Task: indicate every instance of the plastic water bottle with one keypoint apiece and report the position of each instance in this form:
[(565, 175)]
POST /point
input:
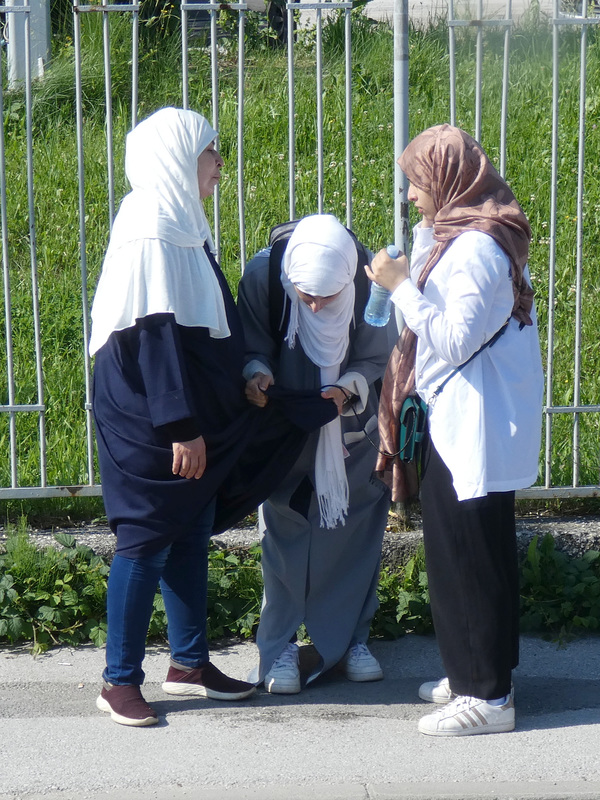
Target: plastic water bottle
[(379, 307)]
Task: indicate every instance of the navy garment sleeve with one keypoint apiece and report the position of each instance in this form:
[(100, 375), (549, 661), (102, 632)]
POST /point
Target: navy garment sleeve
[(164, 374)]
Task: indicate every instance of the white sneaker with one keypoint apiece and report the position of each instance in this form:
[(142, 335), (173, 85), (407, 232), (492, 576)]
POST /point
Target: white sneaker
[(284, 675), (360, 665), (466, 716), (436, 691)]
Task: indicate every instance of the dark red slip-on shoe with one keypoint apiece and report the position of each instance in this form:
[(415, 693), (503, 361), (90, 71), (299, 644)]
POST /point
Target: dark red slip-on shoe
[(206, 681), (126, 705)]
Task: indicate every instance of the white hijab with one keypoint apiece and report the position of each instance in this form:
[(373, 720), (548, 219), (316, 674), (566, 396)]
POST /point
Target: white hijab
[(321, 260), (155, 262)]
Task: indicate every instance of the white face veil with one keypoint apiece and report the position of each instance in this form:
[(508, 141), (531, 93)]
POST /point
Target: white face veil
[(320, 259), (156, 262)]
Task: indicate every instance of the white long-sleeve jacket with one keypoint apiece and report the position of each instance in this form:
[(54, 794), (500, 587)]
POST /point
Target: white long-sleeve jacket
[(486, 422)]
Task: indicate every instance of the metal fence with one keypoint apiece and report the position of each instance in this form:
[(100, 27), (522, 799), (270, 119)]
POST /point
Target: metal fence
[(31, 405)]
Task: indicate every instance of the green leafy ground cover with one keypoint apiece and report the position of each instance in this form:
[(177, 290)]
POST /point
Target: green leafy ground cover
[(57, 596)]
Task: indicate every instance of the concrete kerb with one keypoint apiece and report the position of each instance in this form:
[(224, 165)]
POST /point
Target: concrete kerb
[(547, 790), (423, 13)]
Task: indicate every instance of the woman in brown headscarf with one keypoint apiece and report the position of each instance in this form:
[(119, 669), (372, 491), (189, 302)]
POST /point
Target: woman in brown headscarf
[(467, 277)]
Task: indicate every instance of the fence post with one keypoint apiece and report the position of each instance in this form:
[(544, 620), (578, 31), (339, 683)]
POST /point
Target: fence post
[(32, 22), (400, 121)]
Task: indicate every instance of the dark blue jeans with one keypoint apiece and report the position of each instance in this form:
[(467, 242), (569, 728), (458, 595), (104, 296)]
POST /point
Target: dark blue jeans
[(182, 572)]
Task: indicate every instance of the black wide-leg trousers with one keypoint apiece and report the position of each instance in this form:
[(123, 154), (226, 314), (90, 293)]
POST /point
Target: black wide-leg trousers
[(472, 569)]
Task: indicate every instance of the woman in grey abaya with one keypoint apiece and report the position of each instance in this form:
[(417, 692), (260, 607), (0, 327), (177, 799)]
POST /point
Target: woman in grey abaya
[(323, 526)]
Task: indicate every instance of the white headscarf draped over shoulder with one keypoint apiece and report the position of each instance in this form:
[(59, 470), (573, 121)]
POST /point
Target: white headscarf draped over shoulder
[(320, 259), (155, 262)]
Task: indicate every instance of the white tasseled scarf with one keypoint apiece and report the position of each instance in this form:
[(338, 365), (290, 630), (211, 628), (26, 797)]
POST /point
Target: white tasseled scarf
[(321, 260)]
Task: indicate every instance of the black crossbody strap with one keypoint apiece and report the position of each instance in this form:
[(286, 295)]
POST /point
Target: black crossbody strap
[(489, 343)]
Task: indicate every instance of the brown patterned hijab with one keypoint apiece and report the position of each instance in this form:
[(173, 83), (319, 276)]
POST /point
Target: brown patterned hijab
[(468, 194)]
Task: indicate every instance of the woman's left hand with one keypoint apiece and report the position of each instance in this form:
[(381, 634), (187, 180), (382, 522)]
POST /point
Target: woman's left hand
[(189, 458), (335, 394), (387, 271)]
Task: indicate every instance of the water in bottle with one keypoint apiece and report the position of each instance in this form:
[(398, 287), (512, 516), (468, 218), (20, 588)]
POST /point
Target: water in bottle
[(379, 307)]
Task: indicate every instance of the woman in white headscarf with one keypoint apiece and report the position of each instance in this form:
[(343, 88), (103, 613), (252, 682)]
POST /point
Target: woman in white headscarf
[(323, 526), (168, 390)]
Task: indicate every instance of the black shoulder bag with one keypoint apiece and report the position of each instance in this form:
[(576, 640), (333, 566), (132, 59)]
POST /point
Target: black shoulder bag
[(414, 411)]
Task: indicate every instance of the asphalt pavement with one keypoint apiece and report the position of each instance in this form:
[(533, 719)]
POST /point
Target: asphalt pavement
[(336, 740)]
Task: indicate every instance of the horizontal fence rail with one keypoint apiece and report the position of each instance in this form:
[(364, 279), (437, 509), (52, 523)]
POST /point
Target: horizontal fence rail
[(43, 460)]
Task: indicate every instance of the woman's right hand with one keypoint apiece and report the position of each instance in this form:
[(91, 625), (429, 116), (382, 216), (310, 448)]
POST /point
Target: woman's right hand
[(256, 388), (189, 458), (387, 271)]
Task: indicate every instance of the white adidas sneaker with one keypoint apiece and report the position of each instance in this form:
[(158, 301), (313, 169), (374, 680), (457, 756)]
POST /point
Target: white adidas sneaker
[(467, 716)]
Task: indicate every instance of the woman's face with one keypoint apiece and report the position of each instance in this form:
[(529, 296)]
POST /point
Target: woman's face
[(209, 170), (424, 203), (314, 301)]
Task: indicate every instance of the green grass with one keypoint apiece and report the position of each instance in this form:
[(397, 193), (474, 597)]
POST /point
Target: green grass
[(266, 191)]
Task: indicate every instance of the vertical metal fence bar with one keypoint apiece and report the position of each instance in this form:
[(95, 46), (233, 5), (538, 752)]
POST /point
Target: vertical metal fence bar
[(552, 259), (291, 114), (185, 79), (478, 70), (240, 136), (348, 95), (319, 83), (87, 373), (505, 80), (109, 119), (10, 366), (135, 58), (214, 70), (452, 59), (579, 250), (87, 368), (33, 249), (82, 231), (401, 132)]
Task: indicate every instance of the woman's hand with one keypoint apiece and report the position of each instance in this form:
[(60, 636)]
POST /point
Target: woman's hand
[(337, 395), (189, 458), (256, 388), (387, 271)]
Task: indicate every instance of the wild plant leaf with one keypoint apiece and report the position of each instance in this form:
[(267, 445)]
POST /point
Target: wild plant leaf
[(65, 539)]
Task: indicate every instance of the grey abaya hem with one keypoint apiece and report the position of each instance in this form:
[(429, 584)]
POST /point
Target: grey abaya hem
[(324, 578)]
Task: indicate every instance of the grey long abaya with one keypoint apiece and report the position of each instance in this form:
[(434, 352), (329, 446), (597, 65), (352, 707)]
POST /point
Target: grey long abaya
[(324, 578)]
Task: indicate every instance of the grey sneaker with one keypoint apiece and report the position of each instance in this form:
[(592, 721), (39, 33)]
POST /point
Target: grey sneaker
[(284, 675), (360, 665), (467, 716), (436, 691)]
